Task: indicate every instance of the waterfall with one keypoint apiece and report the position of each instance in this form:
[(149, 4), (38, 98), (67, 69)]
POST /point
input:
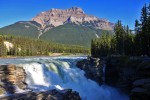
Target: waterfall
[(61, 73)]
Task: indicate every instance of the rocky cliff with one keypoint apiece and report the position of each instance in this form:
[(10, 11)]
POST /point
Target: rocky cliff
[(93, 68), (56, 17)]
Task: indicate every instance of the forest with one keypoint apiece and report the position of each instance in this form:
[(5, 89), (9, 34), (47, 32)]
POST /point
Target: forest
[(125, 41), (21, 46)]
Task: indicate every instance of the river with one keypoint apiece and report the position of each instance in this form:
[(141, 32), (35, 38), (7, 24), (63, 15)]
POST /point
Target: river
[(45, 73)]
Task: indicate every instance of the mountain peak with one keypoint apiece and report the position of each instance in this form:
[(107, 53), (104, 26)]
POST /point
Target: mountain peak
[(57, 17), (76, 9)]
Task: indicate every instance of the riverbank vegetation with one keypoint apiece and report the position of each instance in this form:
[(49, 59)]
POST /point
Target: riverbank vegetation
[(20, 46), (125, 41)]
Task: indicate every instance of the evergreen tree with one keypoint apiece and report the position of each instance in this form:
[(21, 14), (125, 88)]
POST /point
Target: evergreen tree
[(120, 37), (144, 15)]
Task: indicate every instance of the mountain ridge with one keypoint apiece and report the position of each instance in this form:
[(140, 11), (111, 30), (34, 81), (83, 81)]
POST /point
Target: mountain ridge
[(56, 17)]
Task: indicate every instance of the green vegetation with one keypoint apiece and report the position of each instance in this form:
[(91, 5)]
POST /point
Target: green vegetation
[(31, 47), (23, 28), (72, 34), (69, 34), (125, 42), (142, 29)]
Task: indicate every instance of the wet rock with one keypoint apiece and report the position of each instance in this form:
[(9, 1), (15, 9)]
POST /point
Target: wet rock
[(141, 82), (45, 95), (2, 90), (93, 68), (11, 76), (20, 73), (138, 90), (141, 88)]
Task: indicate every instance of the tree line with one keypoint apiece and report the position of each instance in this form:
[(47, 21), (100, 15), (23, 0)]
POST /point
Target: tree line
[(31, 47), (125, 41)]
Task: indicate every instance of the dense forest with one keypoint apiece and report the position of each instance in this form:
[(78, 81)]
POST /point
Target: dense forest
[(125, 41), (20, 46), (69, 33)]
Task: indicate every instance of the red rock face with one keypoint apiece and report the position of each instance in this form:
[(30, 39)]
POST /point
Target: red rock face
[(57, 17)]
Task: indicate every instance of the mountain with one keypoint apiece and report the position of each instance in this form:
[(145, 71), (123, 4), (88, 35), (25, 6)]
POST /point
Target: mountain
[(70, 26), (57, 17), (22, 28), (73, 34)]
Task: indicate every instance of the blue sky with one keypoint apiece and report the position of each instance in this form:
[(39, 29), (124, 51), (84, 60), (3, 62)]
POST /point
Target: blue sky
[(12, 11)]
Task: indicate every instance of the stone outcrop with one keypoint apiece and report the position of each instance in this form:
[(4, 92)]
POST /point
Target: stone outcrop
[(131, 75), (118, 75), (67, 94), (57, 17), (141, 89), (93, 68), (12, 77), (141, 86), (127, 74)]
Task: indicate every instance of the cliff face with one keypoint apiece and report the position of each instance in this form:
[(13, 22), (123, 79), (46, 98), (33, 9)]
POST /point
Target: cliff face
[(57, 17), (93, 68)]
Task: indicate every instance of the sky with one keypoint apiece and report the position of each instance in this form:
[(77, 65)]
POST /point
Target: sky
[(127, 11)]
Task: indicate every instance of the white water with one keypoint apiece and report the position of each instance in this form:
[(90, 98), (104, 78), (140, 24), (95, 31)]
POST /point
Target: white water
[(61, 73)]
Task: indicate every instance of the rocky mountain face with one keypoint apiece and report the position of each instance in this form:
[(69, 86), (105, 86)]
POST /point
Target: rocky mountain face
[(56, 17), (71, 26)]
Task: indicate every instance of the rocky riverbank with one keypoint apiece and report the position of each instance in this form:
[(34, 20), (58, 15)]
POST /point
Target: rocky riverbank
[(13, 86), (67, 94), (93, 68), (131, 75)]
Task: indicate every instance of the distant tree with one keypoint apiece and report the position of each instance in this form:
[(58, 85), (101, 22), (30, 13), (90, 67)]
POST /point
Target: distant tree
[(3, 51)]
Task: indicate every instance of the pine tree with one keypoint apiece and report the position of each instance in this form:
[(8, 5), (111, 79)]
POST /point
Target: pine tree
[(144, 33), (120, 37), (2, 47), (144, 15)]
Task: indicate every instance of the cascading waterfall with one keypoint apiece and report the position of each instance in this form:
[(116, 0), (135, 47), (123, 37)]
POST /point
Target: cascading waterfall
[(61, 73)]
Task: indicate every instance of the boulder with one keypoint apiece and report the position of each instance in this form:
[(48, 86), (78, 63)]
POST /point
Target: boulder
[(138, 90), (67, 94), (141, 82), (141, 89), (2, 90)]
